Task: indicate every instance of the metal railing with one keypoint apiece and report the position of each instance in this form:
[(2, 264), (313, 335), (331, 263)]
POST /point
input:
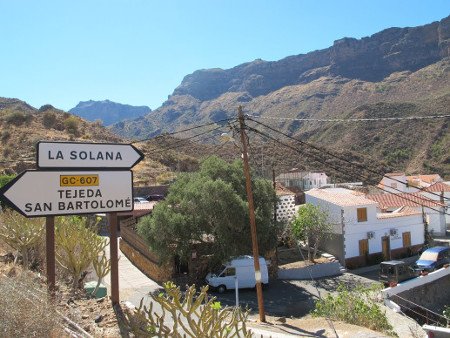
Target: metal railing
[(427, 315)]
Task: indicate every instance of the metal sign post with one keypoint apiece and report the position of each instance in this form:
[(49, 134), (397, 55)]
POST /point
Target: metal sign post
[(113, 251), (50, 253), (80, 178)]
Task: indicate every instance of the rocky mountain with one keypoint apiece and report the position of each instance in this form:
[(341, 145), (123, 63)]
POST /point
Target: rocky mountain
[(108, 112), (399, 72)]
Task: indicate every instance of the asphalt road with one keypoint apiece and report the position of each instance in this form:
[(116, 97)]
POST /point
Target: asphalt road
[(294, 298)]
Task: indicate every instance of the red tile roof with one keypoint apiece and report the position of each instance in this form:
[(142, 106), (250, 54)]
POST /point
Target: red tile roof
[(438, 187), (416, 199), (426, 178), (281, 190)]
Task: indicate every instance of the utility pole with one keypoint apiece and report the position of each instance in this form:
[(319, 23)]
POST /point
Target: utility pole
[(251, 207)]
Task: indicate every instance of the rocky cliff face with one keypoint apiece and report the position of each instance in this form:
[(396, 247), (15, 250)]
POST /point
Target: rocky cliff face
[(398, 72), (108, 112), (369, 59)]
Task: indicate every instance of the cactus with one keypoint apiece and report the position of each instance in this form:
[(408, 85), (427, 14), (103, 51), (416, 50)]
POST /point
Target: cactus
[(193, 315), (78, 246), (21, 233), (102, 266)]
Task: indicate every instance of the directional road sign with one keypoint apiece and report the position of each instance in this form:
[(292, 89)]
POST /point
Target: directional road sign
[(79, 156), (50, 193)]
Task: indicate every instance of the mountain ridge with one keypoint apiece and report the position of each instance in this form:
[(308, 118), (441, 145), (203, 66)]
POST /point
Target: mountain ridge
[(107, 111), (396, 72)]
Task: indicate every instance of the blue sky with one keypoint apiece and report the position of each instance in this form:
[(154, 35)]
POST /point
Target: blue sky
[(138, 51)]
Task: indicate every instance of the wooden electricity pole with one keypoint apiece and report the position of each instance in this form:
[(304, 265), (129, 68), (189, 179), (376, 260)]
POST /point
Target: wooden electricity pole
[(251, 207)]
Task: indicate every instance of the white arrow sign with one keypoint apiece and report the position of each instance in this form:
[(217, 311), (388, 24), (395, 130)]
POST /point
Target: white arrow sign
[(51, 193), (87, 155)]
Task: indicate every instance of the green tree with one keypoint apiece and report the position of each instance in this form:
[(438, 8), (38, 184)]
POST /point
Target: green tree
[(311, 224), (211, 206), (4, 179)]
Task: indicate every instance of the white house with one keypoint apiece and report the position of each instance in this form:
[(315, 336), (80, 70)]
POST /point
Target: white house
[(400, 183), (362, 235), (433, 211), (286, 203), (440, 191), (303, 179)]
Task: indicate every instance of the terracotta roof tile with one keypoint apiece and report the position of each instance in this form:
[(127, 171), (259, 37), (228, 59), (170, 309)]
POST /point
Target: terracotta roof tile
[(399, 200), (281, 190), (438, 187), (426, 178)]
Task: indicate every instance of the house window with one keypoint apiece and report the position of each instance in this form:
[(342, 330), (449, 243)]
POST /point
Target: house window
[(362, 214)]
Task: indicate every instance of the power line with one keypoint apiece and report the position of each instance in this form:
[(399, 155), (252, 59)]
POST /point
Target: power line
[(180, 141), (352, 119), (183, 131), (345, 173), (341, 158)]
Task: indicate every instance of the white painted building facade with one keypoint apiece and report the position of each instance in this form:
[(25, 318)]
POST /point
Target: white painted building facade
[(303, 179), (360, 231), (400, 183)]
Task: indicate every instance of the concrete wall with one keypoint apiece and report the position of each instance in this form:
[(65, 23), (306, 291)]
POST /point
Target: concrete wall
[(431, 291), (334, 244), (316, 271)]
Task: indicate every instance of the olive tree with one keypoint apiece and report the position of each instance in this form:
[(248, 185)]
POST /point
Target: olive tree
[(210, 206), (311, 224)]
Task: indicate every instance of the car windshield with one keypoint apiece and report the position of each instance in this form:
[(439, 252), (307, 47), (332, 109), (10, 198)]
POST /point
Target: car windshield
[(429, 256), (387, 269), (219, 271)]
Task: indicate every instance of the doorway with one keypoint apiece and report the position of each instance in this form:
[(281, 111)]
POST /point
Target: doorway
[(386, 247)]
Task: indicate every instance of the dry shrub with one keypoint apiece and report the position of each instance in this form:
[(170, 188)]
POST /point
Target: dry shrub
[(25, 310)]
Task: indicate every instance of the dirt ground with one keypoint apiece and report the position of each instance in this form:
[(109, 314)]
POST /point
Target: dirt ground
[(98, 318), (315, 327)]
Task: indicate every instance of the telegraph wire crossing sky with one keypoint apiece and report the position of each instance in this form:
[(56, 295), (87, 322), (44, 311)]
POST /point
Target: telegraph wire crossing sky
[(138, 51)]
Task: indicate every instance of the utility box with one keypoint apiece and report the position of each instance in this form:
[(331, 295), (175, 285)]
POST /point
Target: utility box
[(89, 287)]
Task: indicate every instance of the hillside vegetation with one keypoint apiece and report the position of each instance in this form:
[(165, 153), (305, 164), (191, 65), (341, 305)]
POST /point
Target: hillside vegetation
[(399, 72)]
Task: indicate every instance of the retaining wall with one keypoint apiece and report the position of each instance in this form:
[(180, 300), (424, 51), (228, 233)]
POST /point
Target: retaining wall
[(316, 271)]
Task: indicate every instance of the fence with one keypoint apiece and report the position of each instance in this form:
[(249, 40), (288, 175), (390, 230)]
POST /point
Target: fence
[(129, 235)]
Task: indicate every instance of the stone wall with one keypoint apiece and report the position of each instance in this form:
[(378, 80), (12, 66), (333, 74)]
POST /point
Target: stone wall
[(154, 270), (433, 296)]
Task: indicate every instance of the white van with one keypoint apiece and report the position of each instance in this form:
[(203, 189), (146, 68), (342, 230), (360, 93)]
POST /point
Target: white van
[(241, 268)]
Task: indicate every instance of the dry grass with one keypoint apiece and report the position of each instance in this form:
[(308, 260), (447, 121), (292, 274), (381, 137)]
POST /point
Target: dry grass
[(24, 308)]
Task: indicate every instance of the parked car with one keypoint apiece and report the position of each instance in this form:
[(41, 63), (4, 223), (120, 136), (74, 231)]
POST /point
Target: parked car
[(154, 197), (395, 272), (433, 258), (242, 269), (139, 200)]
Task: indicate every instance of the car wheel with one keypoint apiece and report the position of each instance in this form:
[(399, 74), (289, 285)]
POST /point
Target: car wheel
[(221, 288)]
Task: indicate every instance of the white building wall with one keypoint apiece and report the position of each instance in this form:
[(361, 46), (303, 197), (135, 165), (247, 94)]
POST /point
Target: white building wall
[(381, 227), (334, 212), (392, 185), (435, 196)]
